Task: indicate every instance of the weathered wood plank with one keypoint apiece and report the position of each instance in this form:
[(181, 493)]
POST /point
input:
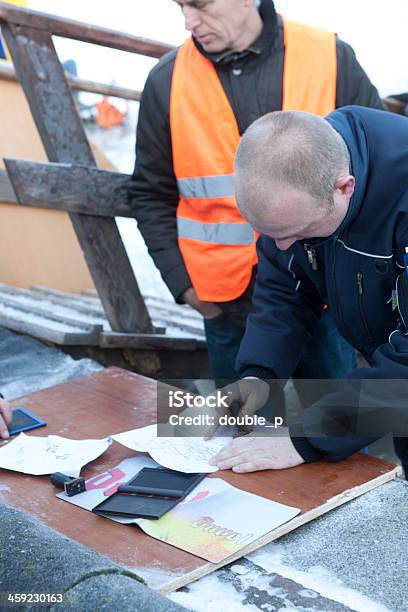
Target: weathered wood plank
[(8, 73), (7, 194), (104, 89), (162, 313), (176, 322), (43, 331), (149, 342), (69, 187), (70, 313), (58, 293), (43, 311), (92, 309), (77, 30), (89, 309), (64, 140)]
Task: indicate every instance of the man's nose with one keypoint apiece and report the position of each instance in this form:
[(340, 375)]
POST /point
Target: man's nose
[(191, 18), (283, 245)]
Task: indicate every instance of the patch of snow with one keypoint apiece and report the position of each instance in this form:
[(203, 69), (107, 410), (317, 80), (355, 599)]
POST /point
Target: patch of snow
[(27, 365), (318, 578), (239, 569), (43, 321), (209, 594), (308, 593)]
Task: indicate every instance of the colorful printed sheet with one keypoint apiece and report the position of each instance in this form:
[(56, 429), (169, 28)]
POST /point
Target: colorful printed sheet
[(215, 521)]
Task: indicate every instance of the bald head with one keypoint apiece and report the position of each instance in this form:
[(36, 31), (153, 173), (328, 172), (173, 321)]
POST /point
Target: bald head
[(291, 149), (292, 177)]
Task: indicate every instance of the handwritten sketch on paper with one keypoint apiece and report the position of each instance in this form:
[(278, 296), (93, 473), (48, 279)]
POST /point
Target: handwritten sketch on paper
[(215, 520), (45, 455), (189, 455)]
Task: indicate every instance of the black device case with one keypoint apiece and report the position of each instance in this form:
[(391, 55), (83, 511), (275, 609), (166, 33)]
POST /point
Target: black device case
[(150, 494)]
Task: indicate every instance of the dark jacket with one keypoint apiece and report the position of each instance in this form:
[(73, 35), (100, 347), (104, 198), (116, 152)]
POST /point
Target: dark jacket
[(357, 272), (253, 83)]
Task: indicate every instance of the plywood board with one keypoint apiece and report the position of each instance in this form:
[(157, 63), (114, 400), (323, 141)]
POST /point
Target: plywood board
[(115, 400), (37, 246)]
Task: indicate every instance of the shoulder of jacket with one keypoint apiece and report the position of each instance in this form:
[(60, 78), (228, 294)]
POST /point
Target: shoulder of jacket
[(344, 48), (165, 63)]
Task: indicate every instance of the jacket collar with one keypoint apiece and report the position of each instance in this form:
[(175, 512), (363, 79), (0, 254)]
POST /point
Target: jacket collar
[(262, 45)]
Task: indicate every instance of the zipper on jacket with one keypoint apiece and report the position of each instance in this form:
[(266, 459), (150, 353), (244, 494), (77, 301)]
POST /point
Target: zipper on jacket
[(338, 305), (360, 304), (311, 256)]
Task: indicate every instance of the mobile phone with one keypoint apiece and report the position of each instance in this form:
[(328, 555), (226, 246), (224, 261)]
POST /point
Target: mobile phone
[(24, 421)]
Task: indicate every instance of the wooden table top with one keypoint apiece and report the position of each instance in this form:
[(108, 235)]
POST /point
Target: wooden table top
[(115, 400)]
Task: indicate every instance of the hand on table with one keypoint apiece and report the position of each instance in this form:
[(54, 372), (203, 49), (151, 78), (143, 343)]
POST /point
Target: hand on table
[(5, 418), (260, 452)]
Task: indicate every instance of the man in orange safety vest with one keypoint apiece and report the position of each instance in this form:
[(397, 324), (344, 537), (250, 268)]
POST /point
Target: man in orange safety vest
[(242, 61)]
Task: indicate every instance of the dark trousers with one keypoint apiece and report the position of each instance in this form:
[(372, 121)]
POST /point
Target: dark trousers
[(327, 354)]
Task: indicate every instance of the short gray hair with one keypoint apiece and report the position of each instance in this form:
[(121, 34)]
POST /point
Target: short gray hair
[(291, 148)]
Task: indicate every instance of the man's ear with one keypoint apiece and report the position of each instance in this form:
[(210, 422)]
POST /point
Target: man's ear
[(346, 185)]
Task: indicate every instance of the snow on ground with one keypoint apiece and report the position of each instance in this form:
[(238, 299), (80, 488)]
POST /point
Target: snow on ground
[(27, 365), (318, 579), (270, 585)]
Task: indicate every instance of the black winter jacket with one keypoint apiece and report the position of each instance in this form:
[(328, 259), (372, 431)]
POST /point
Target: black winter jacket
[(359, 269), (253, 83)]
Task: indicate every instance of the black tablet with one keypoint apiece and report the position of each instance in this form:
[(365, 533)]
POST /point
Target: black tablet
[(149, 494)]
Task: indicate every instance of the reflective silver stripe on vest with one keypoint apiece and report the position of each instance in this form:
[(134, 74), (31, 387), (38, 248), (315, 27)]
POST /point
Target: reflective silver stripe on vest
[(232, 234), (207, 186)]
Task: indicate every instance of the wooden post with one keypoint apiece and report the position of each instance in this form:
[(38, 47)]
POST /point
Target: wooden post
[(49, 96)]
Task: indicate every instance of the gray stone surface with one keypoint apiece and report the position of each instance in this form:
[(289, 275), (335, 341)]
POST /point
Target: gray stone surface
[(37, 559), (364, 543), (274, 592), (113, 592), (27, 365)]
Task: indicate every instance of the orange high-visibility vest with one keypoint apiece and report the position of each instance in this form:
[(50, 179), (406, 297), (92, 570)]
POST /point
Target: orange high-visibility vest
[(217, 243)]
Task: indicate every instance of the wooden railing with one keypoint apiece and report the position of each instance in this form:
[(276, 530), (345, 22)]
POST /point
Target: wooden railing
[(7, 73), (72, 183)]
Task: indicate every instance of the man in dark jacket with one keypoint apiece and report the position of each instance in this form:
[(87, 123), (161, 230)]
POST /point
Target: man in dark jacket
[(246, 47), (332, 206)]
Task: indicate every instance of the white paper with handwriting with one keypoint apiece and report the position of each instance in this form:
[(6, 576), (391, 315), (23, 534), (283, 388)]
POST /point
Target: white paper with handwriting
[(38, 455), (189, 455)]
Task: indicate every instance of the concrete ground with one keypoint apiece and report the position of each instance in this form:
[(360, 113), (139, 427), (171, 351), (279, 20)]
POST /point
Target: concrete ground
[(37, 559)]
